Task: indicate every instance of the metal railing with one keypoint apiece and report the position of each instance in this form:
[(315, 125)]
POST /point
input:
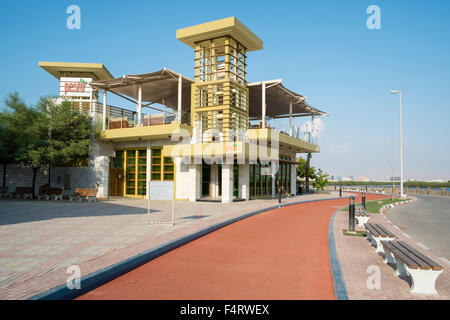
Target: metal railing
[(282, 127), (118, 118)]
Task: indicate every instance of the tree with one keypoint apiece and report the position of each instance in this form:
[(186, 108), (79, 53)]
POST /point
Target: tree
[(47, 133), (321, 180), (307, 172), (28, 130), (7, 149), (69, 139)]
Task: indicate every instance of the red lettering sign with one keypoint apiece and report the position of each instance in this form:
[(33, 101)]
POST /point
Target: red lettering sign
[(74, 87)]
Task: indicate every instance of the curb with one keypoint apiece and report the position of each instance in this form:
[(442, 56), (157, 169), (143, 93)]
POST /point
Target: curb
[(384, 208), (102, 276), (338, 282)]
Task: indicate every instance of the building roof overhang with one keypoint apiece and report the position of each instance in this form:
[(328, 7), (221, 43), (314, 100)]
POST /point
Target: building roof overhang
[(68, 69), (224, 27)]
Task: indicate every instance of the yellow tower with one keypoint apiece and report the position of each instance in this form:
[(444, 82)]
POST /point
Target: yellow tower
[(219, 105)]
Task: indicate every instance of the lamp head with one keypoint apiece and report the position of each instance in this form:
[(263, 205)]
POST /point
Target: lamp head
[(395, 91)]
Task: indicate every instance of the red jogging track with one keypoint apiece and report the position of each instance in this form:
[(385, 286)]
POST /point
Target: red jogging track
[(278, 254)]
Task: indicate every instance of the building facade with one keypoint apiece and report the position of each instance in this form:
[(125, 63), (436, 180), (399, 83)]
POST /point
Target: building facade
[(207, 138)]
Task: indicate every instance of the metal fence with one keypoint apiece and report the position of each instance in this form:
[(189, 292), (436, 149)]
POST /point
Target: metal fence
[(117, 118)]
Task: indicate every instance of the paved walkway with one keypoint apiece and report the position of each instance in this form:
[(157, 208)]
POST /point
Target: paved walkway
[(40, 239), (358, 261)]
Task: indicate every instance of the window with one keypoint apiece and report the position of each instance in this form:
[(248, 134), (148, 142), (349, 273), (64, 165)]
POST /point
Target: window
[(163, 168), (118, 160), (142, 172), (156, 164), (169, 170), (131, 172)]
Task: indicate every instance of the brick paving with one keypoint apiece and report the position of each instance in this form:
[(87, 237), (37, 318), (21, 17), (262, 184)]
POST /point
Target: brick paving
[(356, 255), (40, 239)]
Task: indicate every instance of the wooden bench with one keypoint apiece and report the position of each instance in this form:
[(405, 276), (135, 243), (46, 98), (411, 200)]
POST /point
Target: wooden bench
[(83, 193), (409, 262), (26, 192), (376, 233), (361, 216), (50, 193), (55, 193)]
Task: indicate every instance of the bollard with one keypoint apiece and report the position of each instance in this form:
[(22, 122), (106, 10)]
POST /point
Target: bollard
[(301, 190), (351, 215), (279, 195), (340, 192), (364, 200)]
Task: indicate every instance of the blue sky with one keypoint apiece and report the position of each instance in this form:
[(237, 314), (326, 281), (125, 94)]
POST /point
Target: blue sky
[(321, 49)]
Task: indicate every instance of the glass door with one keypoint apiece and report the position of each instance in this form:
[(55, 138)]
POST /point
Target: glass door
[(136, 173), (206, 179)]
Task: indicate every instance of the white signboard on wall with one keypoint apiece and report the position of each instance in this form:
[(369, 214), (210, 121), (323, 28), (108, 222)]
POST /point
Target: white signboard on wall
[(75, 87)]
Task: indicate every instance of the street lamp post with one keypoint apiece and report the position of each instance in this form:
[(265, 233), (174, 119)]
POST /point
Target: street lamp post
[(401, 142)]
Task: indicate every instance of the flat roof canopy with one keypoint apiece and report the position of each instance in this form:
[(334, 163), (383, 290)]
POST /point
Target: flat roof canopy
[(278, 98), (68, 69), (219, 28), (157, 87)]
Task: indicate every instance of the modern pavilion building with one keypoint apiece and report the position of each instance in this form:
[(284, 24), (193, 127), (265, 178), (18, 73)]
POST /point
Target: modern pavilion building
[(211, 137)]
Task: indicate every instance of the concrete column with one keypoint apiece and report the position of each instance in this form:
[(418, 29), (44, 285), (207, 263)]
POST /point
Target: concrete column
[(104, 108), (194, 185), (180, 92), (139, 105), (244, 181), (293, 179), (215, 180), (274, 176), (290, 118), (227, 183), (101, 168), (263, 106)]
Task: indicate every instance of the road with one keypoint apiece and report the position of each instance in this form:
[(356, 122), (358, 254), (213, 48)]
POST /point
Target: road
[(427, 221)]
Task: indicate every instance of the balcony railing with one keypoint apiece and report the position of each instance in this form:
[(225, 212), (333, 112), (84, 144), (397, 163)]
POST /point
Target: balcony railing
[(281, 127), (118, 118)]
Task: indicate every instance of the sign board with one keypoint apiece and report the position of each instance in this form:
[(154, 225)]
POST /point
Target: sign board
[(161, 190), (75, 87)]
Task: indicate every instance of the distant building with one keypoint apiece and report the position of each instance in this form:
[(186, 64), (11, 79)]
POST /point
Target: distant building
[(395, 179), (362, 178)]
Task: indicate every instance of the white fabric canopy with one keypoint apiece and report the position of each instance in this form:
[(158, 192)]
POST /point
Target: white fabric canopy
[(157, 87), (278, 99), (162, 87)]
